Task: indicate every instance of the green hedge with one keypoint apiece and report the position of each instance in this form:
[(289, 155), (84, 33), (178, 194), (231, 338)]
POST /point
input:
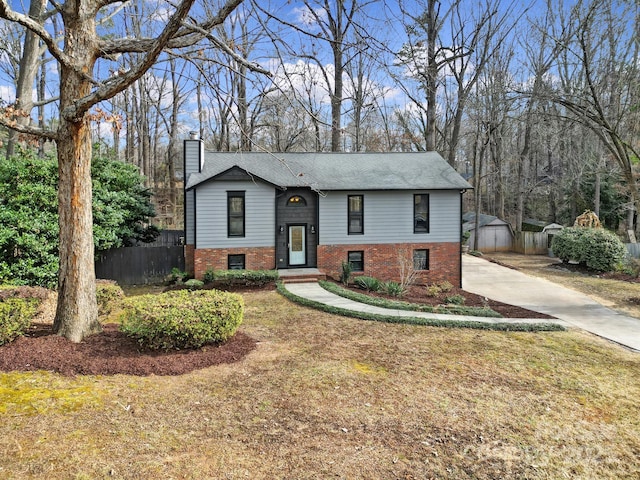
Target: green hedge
[(596, 248), (182, 319), (247, 278), (432, 322)]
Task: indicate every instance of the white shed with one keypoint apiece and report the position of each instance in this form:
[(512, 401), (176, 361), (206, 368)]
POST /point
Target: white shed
[(494, 234)]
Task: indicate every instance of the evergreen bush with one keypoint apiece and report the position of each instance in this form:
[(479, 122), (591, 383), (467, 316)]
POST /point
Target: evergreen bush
[(596, 248), (566, 244), (194, 284), (182, 319)]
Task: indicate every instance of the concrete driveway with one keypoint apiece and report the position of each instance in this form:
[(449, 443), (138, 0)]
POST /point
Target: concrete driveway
[(576, 309)]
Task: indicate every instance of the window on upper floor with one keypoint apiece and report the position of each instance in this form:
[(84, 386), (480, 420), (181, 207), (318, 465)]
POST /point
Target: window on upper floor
[(421, 213), (235, 214), (355, 214)]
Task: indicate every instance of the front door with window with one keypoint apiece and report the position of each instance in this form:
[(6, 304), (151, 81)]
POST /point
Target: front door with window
[(297, 253)]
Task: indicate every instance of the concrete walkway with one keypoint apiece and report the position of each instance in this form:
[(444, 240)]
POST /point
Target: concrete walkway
[(313, 291), (576, 309)]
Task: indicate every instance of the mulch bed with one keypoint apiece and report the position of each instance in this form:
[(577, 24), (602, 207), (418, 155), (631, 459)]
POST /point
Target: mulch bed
[(111, 352), (416, 294)]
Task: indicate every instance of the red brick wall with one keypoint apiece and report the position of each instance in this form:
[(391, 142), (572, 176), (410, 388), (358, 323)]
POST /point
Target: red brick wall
[(188, 258), (382, 260), (256, 258)]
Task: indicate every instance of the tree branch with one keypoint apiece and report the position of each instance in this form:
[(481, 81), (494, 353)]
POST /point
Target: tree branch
[(8, 120), (181, 38), (226, 49), (8, 14), (118, 84)]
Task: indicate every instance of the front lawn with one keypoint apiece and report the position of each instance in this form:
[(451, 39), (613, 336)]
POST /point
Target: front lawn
[(324, 396)]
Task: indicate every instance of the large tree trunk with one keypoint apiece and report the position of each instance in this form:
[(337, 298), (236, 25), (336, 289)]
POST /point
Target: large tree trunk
[(77, 311)]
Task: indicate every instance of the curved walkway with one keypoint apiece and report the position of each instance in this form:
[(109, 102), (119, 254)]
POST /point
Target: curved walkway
[(576, 309), (313, 291), (506, 285)]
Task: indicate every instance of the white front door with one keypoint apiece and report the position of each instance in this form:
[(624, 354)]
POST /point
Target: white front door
[(297, 254)]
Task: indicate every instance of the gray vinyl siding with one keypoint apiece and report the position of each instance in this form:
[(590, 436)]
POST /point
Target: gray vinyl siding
[(211, 220), (193, 153), (388, 217)]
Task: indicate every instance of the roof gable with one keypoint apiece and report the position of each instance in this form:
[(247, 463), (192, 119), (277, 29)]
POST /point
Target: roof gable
[(337, 171)]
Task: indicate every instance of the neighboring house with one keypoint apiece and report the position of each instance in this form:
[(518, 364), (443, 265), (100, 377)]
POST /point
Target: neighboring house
[(294, 210), (494, 235)]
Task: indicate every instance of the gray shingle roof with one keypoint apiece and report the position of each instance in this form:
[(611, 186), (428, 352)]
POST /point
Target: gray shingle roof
[(338, 171)]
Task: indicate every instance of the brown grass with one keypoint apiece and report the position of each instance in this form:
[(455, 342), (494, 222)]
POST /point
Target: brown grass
[(329, 397)]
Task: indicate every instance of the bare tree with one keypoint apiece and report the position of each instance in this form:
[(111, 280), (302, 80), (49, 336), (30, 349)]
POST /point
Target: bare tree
[(81, 88), (603, 94)]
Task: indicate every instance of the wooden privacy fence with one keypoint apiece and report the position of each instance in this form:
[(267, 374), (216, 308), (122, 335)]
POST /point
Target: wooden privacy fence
[(539, 243), (532, 243), (633, 249), (143, 264)]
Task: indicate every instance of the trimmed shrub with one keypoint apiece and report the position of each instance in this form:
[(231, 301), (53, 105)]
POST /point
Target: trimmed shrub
[(15, 317), (18, 305), (245, 278), (194, 284), (110, 297), (602, 249), (182, 319), (566, 244), (596, 248), (370, 284)]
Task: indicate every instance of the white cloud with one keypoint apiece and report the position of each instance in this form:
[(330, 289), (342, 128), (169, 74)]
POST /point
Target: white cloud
[(306, 80)]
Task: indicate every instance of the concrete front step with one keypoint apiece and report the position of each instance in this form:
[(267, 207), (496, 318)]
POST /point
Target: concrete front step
[(301, 275), (302, 278)]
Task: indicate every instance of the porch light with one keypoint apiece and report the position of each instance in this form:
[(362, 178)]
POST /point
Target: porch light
[(281, 229), (313, 229)]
